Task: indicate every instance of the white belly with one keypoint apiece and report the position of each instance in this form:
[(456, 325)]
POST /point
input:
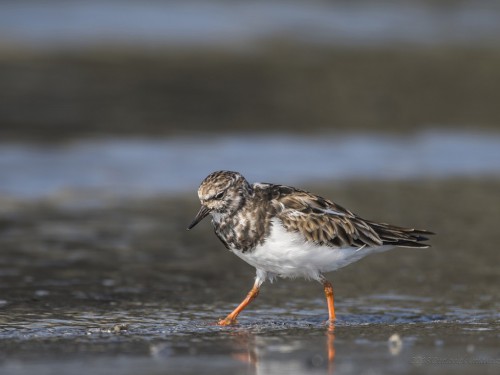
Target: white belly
[(288, 254)]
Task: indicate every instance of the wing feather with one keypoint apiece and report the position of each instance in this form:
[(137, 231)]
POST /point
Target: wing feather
[(322, 221)]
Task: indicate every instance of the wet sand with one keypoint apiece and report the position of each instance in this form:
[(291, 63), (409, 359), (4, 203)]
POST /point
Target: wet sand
[(122, 287)]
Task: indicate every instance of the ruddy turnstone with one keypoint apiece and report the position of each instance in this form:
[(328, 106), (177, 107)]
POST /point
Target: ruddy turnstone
[(286, 232)]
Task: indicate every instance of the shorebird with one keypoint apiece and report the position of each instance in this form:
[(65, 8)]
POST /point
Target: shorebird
[(287, 232)]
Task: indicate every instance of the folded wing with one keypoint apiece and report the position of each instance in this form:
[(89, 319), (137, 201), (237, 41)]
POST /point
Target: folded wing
[(324, 222)]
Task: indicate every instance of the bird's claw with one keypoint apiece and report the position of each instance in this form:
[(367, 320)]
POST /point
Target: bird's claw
[(330, 325), (226, 322)]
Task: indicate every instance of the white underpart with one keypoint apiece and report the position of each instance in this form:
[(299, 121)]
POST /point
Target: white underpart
[(288, 254)]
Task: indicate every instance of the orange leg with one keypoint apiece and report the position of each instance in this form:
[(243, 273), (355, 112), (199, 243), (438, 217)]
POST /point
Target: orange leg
[(329, 299), (231, 318)]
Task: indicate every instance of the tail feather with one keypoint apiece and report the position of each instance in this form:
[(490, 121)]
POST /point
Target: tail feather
[(399, 236)]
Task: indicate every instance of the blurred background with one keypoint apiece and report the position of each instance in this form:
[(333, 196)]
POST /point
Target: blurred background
[(113, 111), (150, 96)]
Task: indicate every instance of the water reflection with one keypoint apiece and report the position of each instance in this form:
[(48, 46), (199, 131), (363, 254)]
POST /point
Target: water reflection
[(266, 354), (258, 352), (330, 343)]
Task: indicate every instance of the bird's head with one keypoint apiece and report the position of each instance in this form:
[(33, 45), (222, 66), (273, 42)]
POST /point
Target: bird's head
[(221, 193)]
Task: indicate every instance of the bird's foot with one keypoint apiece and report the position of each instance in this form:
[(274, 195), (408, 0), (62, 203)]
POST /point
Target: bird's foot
[(330, 324), (226, 322)]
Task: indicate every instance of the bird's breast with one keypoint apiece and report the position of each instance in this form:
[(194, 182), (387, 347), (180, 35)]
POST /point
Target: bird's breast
[(242, 232)]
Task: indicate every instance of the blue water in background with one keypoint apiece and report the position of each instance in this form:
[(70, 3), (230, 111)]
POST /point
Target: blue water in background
[(73, 24), (142, 167)]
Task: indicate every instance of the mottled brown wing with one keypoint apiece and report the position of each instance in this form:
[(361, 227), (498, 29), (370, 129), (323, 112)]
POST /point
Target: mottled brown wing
[(324, 222)]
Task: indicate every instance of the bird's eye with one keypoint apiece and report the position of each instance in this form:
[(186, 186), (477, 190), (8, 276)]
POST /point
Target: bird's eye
[(219, 195)]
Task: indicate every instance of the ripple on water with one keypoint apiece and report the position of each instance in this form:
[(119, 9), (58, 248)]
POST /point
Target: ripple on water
[(156, 321)]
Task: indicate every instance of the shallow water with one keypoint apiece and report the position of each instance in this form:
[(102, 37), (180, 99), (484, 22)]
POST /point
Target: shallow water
[(123, 288), (140, 167), (157, 337)]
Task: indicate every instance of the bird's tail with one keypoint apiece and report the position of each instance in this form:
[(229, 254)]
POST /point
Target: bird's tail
[(403, 237)]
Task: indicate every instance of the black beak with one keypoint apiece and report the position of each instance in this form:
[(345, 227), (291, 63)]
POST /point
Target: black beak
[(202, 213)]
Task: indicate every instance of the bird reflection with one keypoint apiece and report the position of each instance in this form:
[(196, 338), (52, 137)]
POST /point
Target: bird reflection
[(330, 345), (255, 351), (245, 349)]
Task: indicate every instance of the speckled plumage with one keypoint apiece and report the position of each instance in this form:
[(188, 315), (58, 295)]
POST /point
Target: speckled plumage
[(287, 232)]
